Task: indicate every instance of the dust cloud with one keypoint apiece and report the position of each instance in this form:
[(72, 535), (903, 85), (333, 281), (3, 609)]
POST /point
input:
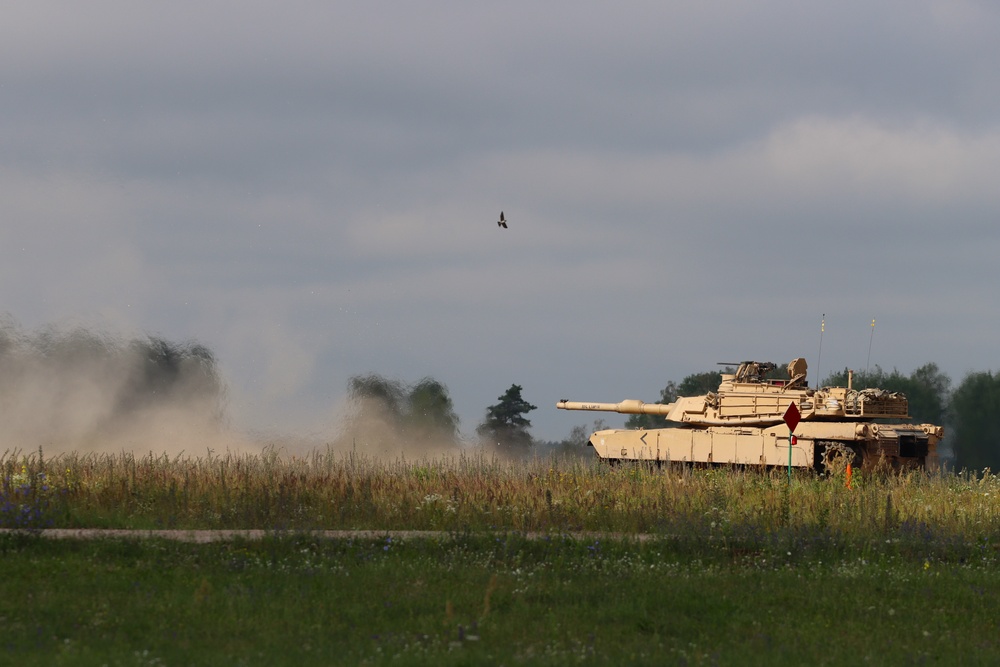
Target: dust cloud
[(72, 389), (76, 390)]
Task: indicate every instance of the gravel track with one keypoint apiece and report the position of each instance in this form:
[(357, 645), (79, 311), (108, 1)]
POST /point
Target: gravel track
[(206, 536)]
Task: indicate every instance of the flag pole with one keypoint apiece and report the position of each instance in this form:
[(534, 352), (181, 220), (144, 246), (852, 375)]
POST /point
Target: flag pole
[(868, 362), (819, 357)]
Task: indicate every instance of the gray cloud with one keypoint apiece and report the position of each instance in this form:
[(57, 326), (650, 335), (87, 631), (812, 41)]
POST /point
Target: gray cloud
[(310, 189)]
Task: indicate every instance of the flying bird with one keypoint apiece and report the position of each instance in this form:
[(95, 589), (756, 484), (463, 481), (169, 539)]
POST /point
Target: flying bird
[(501, 222)]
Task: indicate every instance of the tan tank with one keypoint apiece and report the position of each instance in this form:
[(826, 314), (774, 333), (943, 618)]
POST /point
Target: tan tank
[(743, 423)]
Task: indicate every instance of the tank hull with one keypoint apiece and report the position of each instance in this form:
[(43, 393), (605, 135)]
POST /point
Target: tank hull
[(899, 445)]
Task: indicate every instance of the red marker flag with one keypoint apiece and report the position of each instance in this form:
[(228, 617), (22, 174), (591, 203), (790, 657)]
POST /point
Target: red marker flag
[(792, 417)]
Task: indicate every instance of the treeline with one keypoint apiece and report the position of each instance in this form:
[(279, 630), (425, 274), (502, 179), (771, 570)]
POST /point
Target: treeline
[(76, 386), (970, 413), (385, 413)]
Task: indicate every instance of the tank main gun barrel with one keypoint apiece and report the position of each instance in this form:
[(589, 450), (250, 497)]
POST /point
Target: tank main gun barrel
[(628, 407)]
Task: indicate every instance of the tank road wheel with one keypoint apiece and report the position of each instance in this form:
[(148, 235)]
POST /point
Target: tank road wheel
[(836, 456)]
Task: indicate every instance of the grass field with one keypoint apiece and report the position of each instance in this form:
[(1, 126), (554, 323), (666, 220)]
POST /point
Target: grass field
[(490, 599), (740, 568), (474, 492)]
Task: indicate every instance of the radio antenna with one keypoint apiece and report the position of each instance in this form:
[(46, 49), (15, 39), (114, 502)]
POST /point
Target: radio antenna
[(868, 362), (819, 357)]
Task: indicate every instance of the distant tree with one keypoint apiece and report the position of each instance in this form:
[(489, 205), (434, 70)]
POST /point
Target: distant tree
[(975, 418), (506, 424), (575, 444), (578, 436), (376, 412), (872, 378), (167, 372), (860, 379), (430, 412), (926, 389), (422, 411), (695, 384), (700, 383), (667, 395), (929, 393), (376, 393)]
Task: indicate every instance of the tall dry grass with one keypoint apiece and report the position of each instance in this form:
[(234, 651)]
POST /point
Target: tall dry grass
[(473, 491)]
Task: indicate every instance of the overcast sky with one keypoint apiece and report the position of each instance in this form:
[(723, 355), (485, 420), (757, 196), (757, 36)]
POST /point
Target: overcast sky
[(311, 190)]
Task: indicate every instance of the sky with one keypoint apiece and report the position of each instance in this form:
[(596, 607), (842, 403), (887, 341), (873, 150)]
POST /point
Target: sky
[(311, 190)]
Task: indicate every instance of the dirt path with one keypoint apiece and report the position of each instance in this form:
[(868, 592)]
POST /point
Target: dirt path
[(205, 536)]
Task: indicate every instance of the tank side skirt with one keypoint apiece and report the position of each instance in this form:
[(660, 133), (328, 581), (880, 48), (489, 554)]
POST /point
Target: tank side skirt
[(767, 446), (747, 446)]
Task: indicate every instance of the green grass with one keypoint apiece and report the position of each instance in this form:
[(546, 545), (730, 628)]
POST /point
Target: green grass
[(492, 599), (735, 566)]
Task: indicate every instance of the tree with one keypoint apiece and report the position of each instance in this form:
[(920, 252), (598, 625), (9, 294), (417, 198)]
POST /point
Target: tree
[(430, 412), (572, 446), (926, 389), (376, 394), (667, 395), (174, 373), (697, 384), (975, 417), (389, 410), (505, 423)]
